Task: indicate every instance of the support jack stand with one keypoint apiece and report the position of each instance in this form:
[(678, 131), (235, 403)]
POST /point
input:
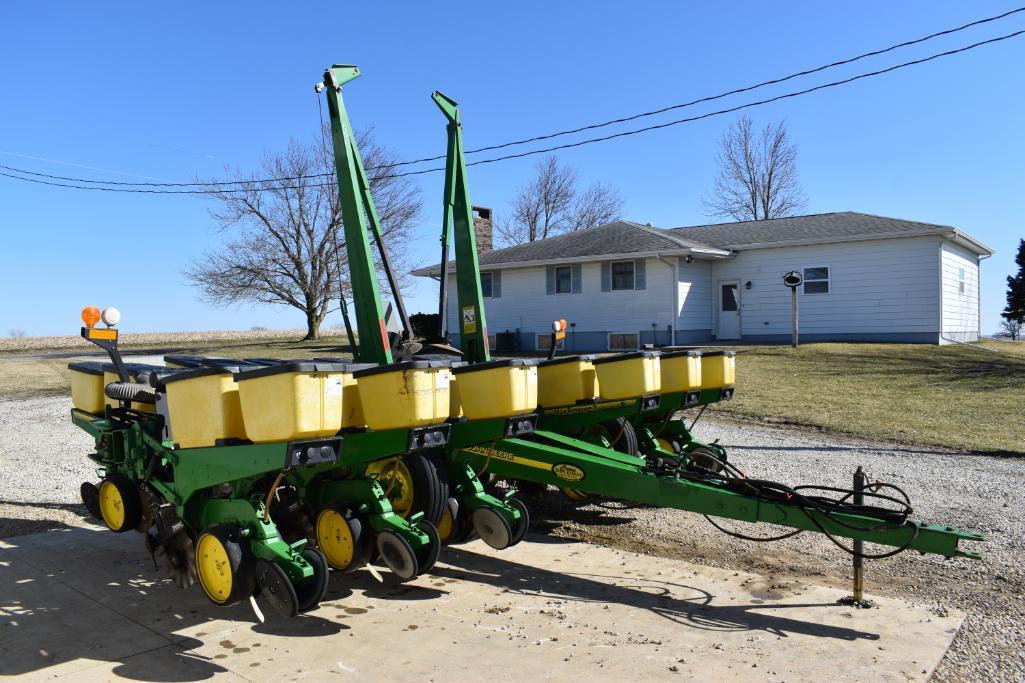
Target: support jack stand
[(857, 599)]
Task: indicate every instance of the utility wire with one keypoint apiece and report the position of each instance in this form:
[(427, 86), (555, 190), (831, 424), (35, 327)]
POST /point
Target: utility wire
[(119, 186)]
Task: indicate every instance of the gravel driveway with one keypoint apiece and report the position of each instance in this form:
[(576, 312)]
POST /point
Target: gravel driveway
[(43, 461)]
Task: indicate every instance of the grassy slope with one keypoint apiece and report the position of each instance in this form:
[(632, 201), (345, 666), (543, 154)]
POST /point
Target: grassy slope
[(953, 396)]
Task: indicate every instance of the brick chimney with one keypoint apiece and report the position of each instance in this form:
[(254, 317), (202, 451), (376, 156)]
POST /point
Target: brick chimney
[(482, 229)]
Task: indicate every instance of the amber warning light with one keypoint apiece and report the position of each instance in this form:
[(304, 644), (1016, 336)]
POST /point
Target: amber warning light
[(90, 316)]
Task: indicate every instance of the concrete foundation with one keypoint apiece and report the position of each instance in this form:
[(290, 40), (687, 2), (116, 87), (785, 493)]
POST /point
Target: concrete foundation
[(86, 604)]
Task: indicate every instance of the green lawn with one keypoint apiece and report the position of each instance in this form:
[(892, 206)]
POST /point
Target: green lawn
[(952, 396)]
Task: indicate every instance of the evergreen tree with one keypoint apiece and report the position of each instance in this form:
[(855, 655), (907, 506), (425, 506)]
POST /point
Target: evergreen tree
[(1015, 310)]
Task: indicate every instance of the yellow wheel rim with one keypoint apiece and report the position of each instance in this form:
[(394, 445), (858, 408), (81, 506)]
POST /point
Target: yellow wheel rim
[(112, 507), (214, 568), (394, 477), (335, 538), (446, 524), (665, 444)]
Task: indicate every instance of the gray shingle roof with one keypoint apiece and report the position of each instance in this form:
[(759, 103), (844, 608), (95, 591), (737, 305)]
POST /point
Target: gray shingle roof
[(823, 226), (625, 237), (621, 237)]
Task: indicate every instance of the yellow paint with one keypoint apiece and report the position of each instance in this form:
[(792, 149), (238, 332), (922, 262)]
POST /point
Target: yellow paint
[(563, 384), (573, 494), (112, 507), (488, 452), (291, 405), (718, 371), (568, 472), (214, 568), (396, 480), (498, 392), (335, 538), (405, 398), (108, 334), (204, 409), (87, 392), (446, 524), (629, 377), (681, 373)]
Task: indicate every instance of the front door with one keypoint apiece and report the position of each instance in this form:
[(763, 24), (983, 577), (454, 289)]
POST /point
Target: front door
[(729, 309)]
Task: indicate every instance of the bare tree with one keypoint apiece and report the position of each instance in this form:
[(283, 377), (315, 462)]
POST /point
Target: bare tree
[(757, 177), (551, 204), (283, 234), (1012, 328)]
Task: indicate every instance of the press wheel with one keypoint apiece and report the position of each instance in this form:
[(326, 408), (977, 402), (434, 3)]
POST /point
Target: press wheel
[(91, 499), (398, 554), (705, 457), (492, 528), (276, 588), (427, 556), (311, 590), (521, 528)]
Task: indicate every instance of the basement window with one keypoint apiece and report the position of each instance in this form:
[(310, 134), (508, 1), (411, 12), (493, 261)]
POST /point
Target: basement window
[(622, 275), (623, 341), (486, 285), (816, 280)]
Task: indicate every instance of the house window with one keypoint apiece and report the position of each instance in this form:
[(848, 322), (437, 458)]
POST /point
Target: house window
[(486, 285), (564, 280), (622, 275), (960, 280), (623, 341), (816, 280)]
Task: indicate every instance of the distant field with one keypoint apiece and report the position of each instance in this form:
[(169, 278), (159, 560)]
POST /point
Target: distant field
[(952, 396), (30, 371)]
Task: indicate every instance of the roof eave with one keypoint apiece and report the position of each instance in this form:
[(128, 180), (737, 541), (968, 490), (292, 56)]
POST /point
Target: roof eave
[(435, 271)]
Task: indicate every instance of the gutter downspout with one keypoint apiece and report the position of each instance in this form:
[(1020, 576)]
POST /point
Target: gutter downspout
[(676, 296)]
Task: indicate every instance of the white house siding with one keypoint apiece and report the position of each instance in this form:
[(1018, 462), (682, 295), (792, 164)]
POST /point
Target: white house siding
[(524, 307), (881, 290), (960, 309), (695, 316)]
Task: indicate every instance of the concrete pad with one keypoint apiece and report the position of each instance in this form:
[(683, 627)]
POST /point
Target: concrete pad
[(86, 603)]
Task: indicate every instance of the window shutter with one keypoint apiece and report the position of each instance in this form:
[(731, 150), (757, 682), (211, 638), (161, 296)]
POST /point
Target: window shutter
[(551, 280), (577, 285), (606, 276), (496, 284), (639, 274)]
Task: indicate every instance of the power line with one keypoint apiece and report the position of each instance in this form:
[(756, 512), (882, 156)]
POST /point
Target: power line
[(548, 136), (580, 143)]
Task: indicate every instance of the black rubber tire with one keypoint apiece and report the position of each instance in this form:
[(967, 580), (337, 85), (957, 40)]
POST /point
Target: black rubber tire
[(492, 528), (705, 457), (243, 582), (623, 429), (130, 499), (91, 499), (311, 591), (521, 529), (463, 530), (430, 485), (427, 557)]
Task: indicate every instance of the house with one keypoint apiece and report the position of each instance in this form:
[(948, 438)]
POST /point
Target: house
[(622, 285)]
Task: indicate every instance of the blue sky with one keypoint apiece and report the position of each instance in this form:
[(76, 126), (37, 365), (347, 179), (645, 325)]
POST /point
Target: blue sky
[(140, 91)]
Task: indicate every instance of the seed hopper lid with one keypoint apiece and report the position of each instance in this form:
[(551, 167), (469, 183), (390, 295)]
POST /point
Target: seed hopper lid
[(89, 367), (188, 360), (491, 365), (682, 352), (718, 352), (395, 367), (629, 355), (191, 373), (288, 366), (566, 359)]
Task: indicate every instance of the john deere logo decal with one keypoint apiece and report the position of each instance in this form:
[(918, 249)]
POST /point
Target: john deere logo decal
[(568, 472)]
